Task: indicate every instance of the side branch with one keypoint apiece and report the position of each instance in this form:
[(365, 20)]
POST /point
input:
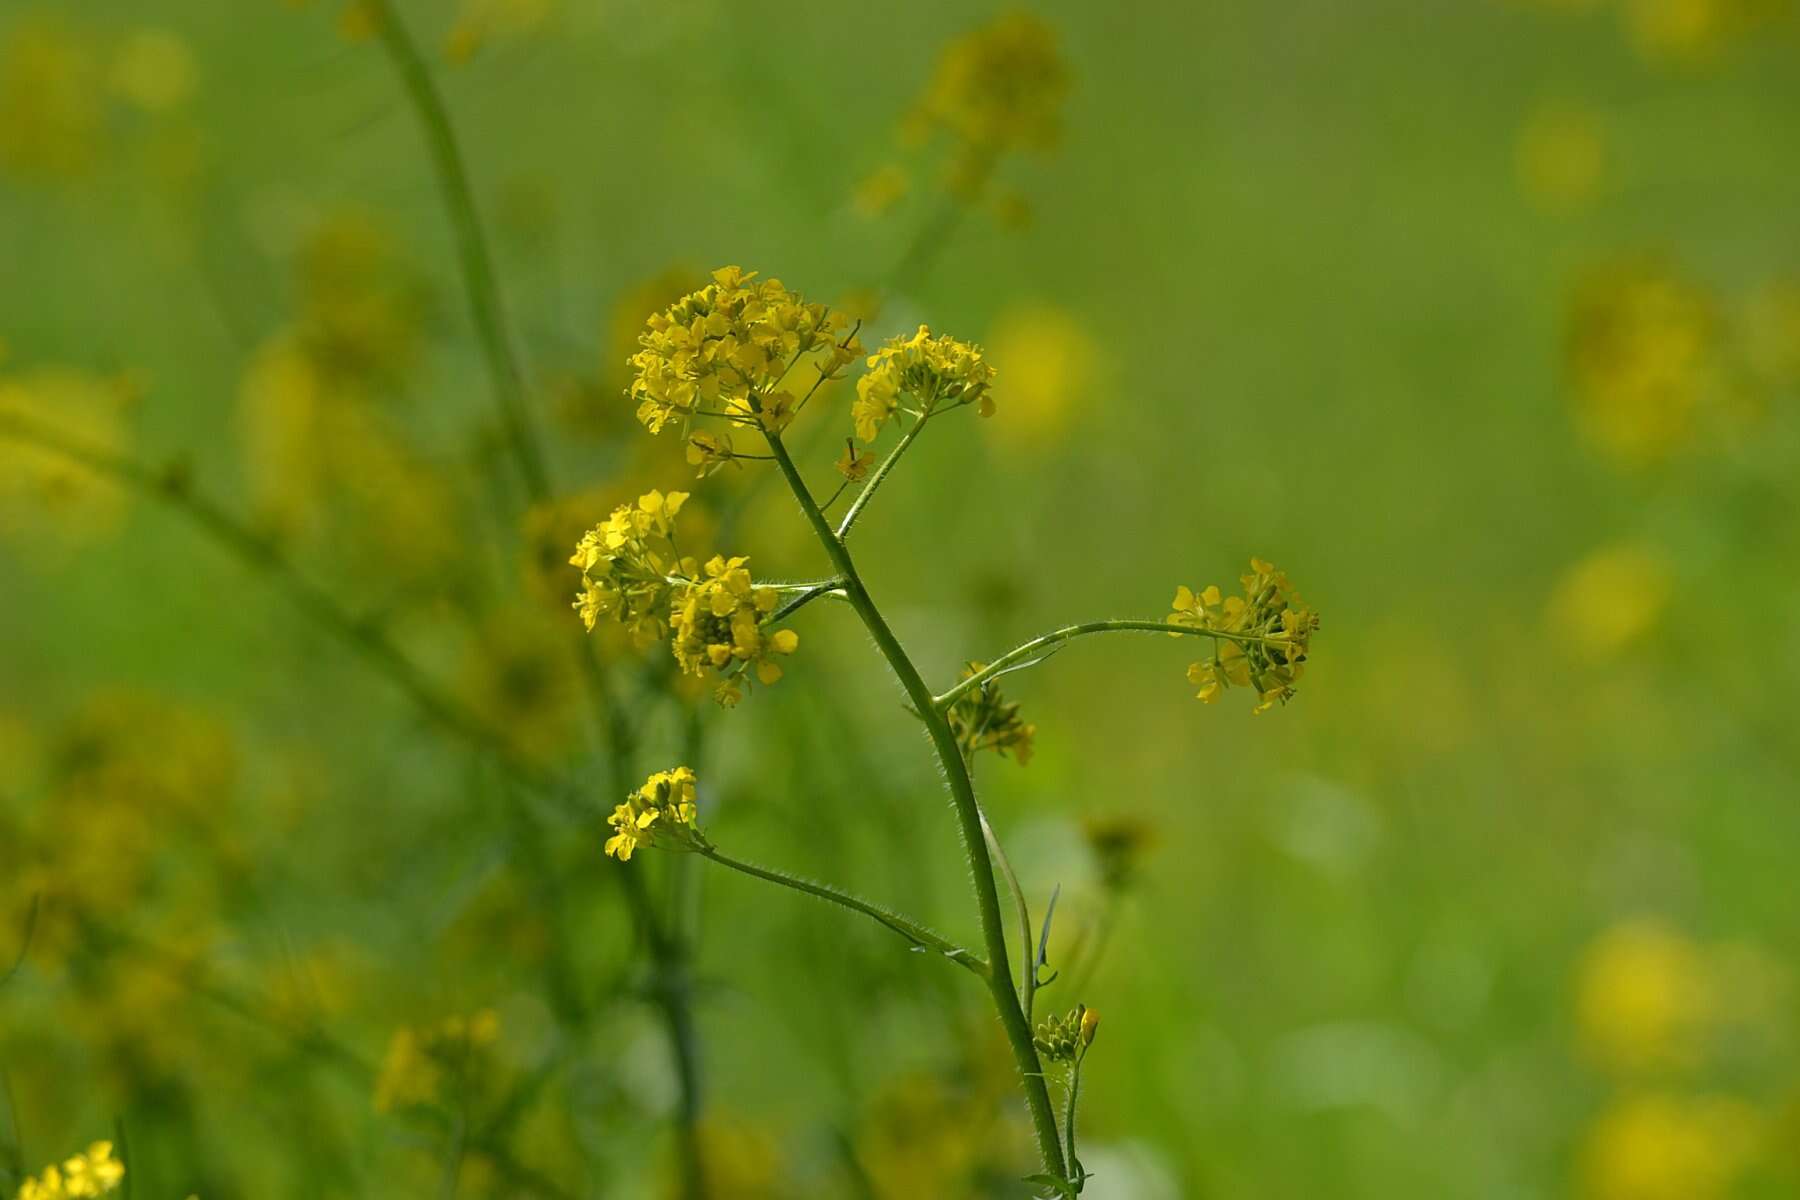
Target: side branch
[(915, 933), (1067, 633)]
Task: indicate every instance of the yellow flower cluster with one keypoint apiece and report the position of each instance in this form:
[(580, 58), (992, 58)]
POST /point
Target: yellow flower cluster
[(719, 627), (725, 351), (628, 562), (420, 1062), (997, 88), (92, 1173), (1265, 634), (933, 372), (1063, 1039), (663, 808), (982, 719)]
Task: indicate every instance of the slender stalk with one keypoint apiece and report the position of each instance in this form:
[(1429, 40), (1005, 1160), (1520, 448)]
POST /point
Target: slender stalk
[(477, 265), (486, 308), (906, 927), (881, 473), (1070, 632), (1021, 909), (968, 811)]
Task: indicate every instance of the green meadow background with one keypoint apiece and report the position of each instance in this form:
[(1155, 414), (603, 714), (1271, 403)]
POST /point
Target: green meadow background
[(1481, 320)]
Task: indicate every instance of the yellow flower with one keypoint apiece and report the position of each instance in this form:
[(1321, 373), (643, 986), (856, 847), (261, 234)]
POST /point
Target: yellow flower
[(628, 565), (718, 622), (724, 351), (709, 452), (52, 118), (36, 484), (91, 1173), (154, 69), (663, 811), (932, 372), (1272, 632), (852, 464), (881, 190), (1689, 33)]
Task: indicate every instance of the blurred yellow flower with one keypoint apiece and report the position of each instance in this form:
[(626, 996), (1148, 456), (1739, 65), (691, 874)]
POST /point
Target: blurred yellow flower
[(881, 189), (479, 22), (1689, 33), (1050, 364), (94, 1172), (519, 676), (1608, 600), (52, 117), (997, 88), (421, 1063), (1643, 999), (154, 69), (1664, 1146), (1643, 361), (1561, 158)]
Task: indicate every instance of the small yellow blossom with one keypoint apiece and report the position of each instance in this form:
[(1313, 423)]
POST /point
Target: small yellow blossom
[(629, 566), (883, 189), (52, 115), (853, 464), (1690, 33), (1273, 631), (933, 372), (982, 719), (94, 1172), (718, 622), (726, 351), (662, 812), (38, 483), (709, 452)]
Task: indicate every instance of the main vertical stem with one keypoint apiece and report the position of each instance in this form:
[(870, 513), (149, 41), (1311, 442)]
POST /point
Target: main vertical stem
[(968, 814)]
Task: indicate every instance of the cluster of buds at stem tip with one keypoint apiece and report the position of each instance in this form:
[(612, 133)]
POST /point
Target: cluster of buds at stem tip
[(1066, 1038)]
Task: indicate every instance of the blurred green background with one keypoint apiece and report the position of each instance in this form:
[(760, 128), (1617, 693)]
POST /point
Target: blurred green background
[(1481, 320)]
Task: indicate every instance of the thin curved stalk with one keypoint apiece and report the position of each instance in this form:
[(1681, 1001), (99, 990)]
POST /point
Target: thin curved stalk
[(881, 473), (473, 257), (1069, 632), (915, 933), (968, 811)]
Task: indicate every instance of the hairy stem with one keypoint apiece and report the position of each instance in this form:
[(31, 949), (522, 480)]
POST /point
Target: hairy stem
[(881, 473), (968, 811), (906, 927)]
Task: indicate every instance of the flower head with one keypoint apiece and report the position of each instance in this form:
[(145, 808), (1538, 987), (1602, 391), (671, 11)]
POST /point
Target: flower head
[(933, 372), (422, 1063), (982, 719), (94, 1172), (628, 562), (718, 621), (662, 812), (1263, 639), (726, 350)]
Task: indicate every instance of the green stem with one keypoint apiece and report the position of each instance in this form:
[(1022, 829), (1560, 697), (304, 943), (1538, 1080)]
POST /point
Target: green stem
[(906, 927), (1021, 909), (1069, 632), (487, 311), (968, 811), (476, 262), (881, 473)]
